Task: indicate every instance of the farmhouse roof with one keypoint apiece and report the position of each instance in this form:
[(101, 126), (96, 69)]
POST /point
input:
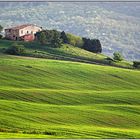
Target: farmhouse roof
[(21, 26)]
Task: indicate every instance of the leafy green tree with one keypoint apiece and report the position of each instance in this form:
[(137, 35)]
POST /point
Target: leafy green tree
[(1, 36), (92, 45), (136, 64), (98, 45), (41, 37), (117, 56), (51, 38), (1, 28), (16, 49), (64, 37), (74, 40), (56, 40)]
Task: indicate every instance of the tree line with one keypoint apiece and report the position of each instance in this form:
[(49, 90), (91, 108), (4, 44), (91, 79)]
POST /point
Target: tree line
[(55, 39)]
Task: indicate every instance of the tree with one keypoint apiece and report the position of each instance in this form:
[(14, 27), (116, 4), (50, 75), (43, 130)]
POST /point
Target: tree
[(117, 56), (98, 46), (16, 49), (50, 38), (1, 28), (41, 36), (74, 40), (92, 45), (64, 37), (136, 64), (56, 40), (1, 36)]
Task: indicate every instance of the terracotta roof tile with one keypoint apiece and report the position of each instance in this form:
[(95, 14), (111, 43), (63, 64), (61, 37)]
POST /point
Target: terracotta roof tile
[(20, 27)]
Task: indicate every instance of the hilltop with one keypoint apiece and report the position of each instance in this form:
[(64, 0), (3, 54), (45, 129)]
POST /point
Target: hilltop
[(54, 44), (65, 52)]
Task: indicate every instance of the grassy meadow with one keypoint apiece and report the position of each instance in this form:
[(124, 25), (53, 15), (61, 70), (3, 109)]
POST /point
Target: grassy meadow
[(44, 98)]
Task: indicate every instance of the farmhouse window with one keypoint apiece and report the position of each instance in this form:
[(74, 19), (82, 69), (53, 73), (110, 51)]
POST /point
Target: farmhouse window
[(21, 31), (27, 32)]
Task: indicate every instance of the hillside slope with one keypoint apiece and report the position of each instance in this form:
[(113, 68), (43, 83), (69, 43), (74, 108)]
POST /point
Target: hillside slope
[(65, 52), (42, 98)]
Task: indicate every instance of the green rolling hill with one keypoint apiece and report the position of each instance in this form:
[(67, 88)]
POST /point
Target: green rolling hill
[(44, 98), (65, 52)]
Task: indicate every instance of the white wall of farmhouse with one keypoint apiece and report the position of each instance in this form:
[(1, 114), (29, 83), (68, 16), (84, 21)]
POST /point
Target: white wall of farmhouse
[(29, 30)]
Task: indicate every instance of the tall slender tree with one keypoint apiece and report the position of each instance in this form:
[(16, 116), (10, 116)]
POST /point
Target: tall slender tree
[(1, 28), (64, 37)]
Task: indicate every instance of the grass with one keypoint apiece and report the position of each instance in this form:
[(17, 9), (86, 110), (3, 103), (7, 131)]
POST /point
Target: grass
[(65, 52), (42, 98)]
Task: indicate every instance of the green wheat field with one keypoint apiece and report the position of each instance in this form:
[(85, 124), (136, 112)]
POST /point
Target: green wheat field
[(42, 98)]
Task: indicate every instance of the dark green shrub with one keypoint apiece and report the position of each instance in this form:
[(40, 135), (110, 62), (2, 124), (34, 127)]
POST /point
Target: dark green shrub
[(42, 37), (109, 59), (1, 28), (50, 38), (28, 66), (64, 37), (136, 64), (49, 133), (3, 130), (1, 36), (117, 56), (16, 49), (74, 40), (92, 45)]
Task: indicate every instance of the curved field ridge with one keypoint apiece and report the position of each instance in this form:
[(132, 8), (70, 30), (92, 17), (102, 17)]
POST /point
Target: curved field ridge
[(42, 98)]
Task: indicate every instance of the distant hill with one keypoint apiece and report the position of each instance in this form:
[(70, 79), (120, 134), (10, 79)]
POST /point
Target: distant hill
[(116, 25)]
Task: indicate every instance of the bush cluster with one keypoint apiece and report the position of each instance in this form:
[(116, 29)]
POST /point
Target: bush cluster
[(92, 45), (54, 38), (136, 64), (74, 40), (117, 56), (49, 37), (16, 49), (1, 28)]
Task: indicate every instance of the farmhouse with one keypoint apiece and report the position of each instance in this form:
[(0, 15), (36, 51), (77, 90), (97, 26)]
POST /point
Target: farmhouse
[(24, 32)]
